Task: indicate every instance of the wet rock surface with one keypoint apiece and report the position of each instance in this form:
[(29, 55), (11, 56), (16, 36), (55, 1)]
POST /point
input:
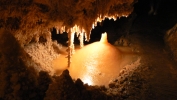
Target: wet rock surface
[(154, 79)]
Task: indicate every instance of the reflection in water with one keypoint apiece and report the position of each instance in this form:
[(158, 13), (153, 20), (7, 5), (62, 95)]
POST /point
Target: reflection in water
[(100, 62), (59, 64), (87, 80)]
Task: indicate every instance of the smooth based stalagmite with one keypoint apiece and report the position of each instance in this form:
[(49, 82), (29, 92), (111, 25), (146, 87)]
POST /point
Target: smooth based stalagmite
[(96, 63), (30, 19)]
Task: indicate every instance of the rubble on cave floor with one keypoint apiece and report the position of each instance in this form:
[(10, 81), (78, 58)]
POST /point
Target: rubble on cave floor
[(155, 78)]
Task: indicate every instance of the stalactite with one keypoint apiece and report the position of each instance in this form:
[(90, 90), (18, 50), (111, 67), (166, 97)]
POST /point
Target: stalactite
[(81, 39)]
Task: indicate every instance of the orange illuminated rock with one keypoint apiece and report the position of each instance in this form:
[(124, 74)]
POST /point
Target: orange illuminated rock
[(97, 63)]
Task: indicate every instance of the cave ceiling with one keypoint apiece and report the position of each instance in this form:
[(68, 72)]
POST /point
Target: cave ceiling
[(30, 17)]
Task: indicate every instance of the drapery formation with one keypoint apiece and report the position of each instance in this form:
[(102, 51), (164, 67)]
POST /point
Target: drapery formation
[(31, 19)]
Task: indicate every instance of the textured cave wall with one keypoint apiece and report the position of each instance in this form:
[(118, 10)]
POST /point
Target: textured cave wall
[(30, 19), (28, 22), (171, 41), (18, 79)]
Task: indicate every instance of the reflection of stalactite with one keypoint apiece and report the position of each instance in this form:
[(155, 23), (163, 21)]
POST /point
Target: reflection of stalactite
[(70, 46), (28, 19), (80, 34)]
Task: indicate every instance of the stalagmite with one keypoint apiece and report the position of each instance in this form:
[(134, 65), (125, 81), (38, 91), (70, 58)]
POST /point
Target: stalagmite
[(98, 62), (80, 32), (104, 38)]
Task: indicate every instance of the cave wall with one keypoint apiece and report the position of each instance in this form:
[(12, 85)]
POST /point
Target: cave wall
[(31, 18), (27, 21), (18, 79), (23, 22), (171, 41)]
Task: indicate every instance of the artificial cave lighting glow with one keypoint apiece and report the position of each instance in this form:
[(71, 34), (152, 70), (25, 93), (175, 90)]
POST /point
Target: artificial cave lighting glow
[(104, 38), (99, 62), (87, 80), (62, 29), (80, 34), (81, 39), (101, 18)]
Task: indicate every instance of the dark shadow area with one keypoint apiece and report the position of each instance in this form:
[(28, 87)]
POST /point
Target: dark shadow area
[(163, 19), (59, 37)]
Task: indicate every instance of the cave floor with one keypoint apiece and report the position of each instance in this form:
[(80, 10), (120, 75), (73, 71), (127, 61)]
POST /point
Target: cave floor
[(148, 35), (157, 66)]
